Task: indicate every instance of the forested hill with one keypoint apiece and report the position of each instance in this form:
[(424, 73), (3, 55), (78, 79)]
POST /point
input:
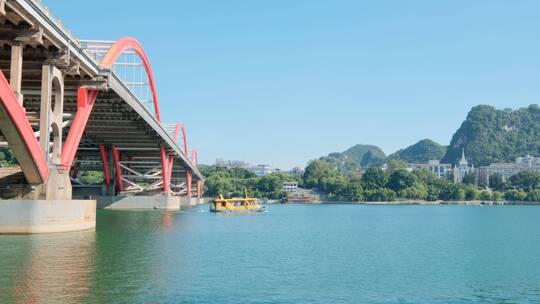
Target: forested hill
[(356, 157), (489, 135), (420, 152)]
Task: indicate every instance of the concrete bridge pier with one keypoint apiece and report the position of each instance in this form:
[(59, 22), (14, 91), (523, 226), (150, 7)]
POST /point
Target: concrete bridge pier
[(187, 201), (139, 202), (44, 204)]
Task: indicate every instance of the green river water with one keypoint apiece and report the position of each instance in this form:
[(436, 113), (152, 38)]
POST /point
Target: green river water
[(289, 254)]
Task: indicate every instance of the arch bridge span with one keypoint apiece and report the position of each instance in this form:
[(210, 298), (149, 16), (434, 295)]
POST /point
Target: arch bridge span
[(67, 109)]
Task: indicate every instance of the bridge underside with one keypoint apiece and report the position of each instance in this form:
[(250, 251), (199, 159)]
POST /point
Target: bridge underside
[(119, 137)]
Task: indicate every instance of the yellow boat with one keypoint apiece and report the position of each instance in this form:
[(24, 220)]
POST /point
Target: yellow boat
[(236, 204)]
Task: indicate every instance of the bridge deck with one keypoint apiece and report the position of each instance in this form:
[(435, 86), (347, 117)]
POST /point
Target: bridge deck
[(118, 118)]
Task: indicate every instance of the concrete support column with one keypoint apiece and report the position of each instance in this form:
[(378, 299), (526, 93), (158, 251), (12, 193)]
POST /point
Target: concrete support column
[(52, 110), (58, 186), (15, 78), (2, 8)]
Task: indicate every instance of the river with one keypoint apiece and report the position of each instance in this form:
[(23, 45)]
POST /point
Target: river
[(290, 254)]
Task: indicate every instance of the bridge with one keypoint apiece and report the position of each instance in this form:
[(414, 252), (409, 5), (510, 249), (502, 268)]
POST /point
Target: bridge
[(72, 108)]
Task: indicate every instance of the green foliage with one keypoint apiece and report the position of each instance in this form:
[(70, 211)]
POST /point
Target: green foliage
[(380, 195), (359, 156), (485, 196), (469, 178), (401, 179), (91, 177), (394, 164), (418, 191), (316, 170), (353, 190), (496, 181), (533, 196), (420, 152), (526, 180), (206, 169), (515, 195), (471, 192), (449, 191), (232, 182), (374, 178), (489, 135), (497, 196), (6, 158), (523, 186), (379, 185)]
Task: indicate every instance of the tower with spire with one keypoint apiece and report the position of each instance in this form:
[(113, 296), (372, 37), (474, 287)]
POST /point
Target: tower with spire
[(462, 168)]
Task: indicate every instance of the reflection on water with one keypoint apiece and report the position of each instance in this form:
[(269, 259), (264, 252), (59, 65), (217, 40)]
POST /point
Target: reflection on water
[(292, 254), (54, 268), (82, 266)]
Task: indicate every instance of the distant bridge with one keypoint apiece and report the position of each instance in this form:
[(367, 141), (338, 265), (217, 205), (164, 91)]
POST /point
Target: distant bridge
[(68, 106)]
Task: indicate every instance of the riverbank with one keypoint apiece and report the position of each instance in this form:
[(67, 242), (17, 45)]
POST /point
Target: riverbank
[(440, 202)]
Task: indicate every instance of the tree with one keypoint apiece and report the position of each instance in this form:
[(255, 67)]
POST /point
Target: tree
[(497, 196), (374, 178), (380, 195), (496, 181), (471, 192), (91, 177), (533, 196), (6, 157), (216, 185), (419, 192), (515, 195), (401, 179), (449, 191), (485, 196), (395, 164), (526, 180), (469, 178), (353, 191), (316, 170)]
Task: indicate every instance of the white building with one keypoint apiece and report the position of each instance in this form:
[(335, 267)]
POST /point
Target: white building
[(462, 168), (220, 163), (290, 187), (527, 163), (435, 167), (261, 170), (532, 162)]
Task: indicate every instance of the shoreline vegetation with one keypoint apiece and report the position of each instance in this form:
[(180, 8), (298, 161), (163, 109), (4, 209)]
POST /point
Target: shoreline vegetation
[(393, 185), (429, 203)]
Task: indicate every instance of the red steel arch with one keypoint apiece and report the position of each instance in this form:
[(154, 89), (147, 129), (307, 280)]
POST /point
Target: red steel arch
[(20, 136), (131, 43), (195, 159), (180, 127)]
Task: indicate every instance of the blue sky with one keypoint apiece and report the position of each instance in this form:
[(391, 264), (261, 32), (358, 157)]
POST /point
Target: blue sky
[(283, 82)]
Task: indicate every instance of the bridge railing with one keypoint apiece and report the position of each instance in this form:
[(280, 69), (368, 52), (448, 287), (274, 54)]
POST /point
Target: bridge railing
[(127, 67), (45, 10)]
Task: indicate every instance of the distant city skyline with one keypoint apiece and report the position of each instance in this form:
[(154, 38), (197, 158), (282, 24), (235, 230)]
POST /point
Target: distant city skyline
[(284, 82)]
